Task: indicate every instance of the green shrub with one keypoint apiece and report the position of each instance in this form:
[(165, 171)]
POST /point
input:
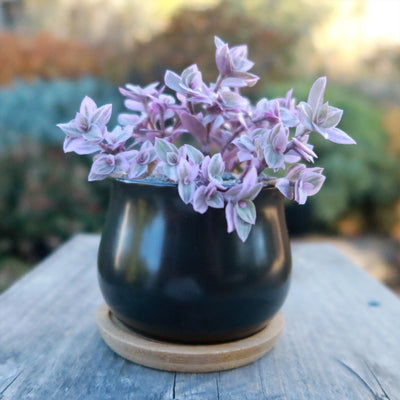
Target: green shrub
[(32, 110), (44, 199), (44, 194)]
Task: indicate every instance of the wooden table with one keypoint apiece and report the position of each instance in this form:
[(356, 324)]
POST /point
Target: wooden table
[(341, 339)]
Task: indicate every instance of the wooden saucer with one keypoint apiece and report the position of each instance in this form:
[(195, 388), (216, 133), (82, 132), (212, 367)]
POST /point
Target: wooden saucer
[(182, 357)]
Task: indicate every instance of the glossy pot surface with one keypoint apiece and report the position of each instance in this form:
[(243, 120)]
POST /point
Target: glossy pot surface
[(176, 275)]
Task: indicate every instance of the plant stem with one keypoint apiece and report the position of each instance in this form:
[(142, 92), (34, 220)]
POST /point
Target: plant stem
[(289, 147), (162, 122), (230, 140), (246, 170), (205, 148), (262, 166), (268, 180), (218, 83), (191, 108)]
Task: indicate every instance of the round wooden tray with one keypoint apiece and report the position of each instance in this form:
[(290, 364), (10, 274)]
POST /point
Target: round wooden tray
[(182, 357)]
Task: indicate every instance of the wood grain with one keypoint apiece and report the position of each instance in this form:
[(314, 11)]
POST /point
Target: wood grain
[(341, 339), (186, 358)]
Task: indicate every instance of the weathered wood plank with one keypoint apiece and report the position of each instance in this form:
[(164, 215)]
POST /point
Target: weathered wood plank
[(196, 386), (50, 347), (341, 339), (330, 319)]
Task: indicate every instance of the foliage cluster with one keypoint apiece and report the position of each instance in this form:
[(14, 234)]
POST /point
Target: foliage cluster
[(37, 180), (363, 183), (44, 199), (239, 148), (31, 110)]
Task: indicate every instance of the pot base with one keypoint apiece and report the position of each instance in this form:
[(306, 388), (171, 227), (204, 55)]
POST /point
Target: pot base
[(182, 357)]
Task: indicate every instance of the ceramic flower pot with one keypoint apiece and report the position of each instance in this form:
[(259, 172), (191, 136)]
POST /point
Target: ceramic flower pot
[(173, 274)]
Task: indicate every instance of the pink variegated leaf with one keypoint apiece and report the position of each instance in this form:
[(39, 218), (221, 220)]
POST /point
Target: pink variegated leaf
[(194, 127)]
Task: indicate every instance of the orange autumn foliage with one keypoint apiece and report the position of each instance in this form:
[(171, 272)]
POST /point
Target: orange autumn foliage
[(46, 57)]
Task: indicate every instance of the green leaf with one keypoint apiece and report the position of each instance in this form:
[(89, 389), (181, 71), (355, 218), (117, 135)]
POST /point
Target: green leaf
[(216, 200), (232, 99), (194, 155), (172, 80), (316, 95), (247, 213), (242, 228), (186, 191), (217, 166), (102, 115), (163, 148)]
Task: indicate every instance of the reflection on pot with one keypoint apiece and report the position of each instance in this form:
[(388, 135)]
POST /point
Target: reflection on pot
[(176, 275)]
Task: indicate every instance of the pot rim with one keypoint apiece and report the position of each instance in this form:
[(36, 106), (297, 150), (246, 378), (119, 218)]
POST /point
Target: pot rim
[(161, 182), (148, 181)]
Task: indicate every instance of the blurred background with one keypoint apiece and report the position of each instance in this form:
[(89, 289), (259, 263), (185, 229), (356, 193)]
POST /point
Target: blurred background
[(53, 53)]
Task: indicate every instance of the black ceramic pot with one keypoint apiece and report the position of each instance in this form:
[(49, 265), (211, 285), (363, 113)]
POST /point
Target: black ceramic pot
[(176, 275)]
